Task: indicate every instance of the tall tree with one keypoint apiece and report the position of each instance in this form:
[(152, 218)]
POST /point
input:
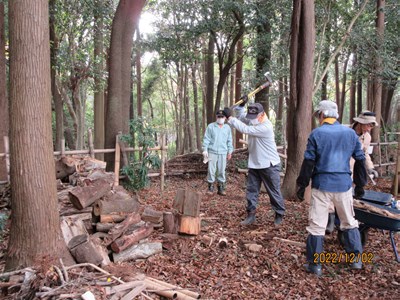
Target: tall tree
[(4, 120), (377, 76), (119, 88), (99, 103), (210, 80), (238, 84), (301, 77), (35, 225)]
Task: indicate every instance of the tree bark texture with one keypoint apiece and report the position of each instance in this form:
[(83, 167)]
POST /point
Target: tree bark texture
[(301, 78), (35, 223), (119, 89), (210, 80), (377, 77), (196, 108), (99, 103), (4, 117), (238, 84)]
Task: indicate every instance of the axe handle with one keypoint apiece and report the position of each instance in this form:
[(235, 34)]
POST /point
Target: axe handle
[(251, 94)]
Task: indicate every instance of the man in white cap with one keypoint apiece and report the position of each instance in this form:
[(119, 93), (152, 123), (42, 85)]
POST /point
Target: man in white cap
[(327, 163)]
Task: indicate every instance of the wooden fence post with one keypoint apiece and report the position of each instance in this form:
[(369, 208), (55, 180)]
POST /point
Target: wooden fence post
[(117, 159)]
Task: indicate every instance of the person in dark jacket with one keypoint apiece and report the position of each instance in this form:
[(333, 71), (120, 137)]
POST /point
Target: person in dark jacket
[(327, 163)]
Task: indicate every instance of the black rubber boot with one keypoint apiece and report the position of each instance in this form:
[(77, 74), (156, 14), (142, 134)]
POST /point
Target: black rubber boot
[(210, 188), (278, 219), (314, 247), (221, 189), (331, 223), (352, 244), (250, 219)]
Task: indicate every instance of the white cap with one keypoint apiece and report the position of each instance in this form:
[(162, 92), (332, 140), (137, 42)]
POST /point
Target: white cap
[(328, 108)]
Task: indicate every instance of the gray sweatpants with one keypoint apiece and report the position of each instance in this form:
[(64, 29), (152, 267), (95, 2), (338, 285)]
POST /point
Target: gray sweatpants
[(216, 167)]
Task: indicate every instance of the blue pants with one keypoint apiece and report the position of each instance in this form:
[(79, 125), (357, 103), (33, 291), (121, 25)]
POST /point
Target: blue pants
[(270, 177)]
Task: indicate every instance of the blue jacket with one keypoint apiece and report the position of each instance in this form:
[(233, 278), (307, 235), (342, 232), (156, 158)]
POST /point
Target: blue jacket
[(331, 146), (218, 140)]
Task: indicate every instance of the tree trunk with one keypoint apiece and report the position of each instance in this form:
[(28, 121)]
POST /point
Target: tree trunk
[(57, 100), (139, 101), (301, 78), (210, 81), (4, 116), (343, 91), (196, 108), (99, 104), (377, 78), (359, 94), (238, 84), (119, 89), (35, 223), (353, 86)]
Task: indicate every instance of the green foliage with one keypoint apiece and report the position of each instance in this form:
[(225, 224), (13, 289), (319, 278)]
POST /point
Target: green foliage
[(3, 220), (136, 171)]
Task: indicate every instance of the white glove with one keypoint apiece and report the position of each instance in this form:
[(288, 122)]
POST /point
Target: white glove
[(373, 172), (205, 157)]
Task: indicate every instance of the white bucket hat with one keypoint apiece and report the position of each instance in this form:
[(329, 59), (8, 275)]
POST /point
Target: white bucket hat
[(366, 117)]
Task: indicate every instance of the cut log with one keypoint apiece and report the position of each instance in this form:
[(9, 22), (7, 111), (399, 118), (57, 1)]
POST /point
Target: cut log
[(88, 164), (73, 225), (179, 200), (170, 222), (82, 197), (106, 206), (130, 238), (84, 250), (189, 225), (68, 211), (101, 174), (142, 250), (113, 218), (152, 216), (65, 166), (104, 227), (191, 206), (120, 228)]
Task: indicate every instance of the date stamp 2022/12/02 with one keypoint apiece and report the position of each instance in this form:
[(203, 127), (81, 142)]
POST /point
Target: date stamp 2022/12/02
[(334, 258)]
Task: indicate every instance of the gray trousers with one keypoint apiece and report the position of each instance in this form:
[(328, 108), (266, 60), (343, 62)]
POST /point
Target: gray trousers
[(270, 177), (216, 167)]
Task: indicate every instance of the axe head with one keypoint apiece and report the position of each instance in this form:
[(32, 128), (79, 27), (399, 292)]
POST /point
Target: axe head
[(267, 76)]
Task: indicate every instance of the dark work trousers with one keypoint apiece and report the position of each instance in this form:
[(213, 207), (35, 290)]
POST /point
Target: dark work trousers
[(270, 177)]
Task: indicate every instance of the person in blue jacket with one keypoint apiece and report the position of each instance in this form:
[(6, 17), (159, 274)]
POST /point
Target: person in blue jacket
[(217, 149), (327, 163)]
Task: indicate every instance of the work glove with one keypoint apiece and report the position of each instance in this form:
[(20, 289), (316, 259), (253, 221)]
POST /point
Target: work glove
[(205, 157), (227, 112), (300, 193), (358, 192), (373, 172), (245, 99)]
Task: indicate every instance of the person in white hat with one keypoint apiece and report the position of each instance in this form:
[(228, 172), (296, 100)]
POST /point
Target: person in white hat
[(362, 126)]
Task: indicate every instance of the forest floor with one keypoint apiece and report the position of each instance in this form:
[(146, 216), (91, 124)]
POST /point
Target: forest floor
[(276, 271)]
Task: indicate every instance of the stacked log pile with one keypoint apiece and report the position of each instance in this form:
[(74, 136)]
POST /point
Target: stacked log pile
[(101, 222), (193, 163)]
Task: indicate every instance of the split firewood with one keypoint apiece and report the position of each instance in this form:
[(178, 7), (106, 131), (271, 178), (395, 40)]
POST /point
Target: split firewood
[(84, 250), (191, 207), (82, 197), (138, 251), (104, 227), (74, 225), (101, 174), (371, 208), (152, 216), (130, 238), (189, 225), (113, 217), (106, 206), (64, 167), (120, 228), (179, 200), (170, 222)]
